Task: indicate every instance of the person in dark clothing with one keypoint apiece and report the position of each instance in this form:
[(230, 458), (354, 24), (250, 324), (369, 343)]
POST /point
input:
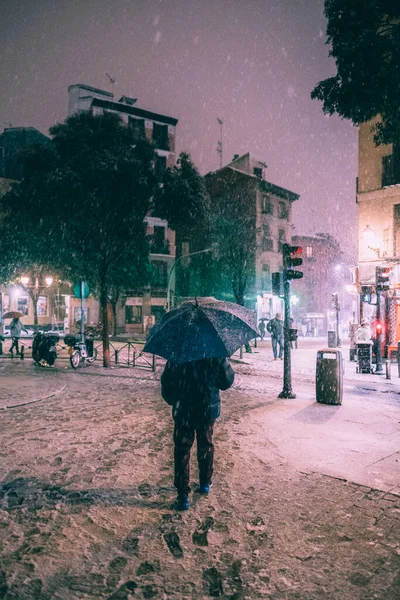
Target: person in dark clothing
[(275, 328), (192, 389)]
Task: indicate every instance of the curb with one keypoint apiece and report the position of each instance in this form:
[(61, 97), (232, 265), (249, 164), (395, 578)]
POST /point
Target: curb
[(25, 402)]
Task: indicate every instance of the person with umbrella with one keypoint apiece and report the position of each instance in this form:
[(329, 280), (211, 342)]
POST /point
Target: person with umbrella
[(15, 332), (192, 389), (196, 340)]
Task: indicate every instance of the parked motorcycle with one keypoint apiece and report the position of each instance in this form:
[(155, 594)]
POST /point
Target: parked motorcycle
[(44, 347), (80, 352)]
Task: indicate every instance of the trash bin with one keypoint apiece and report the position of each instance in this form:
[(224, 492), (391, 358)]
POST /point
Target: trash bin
[(332, 342), (364, 357), (329, 376)]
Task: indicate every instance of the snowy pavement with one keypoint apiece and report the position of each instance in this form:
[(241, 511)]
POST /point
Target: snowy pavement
[(86, 490)]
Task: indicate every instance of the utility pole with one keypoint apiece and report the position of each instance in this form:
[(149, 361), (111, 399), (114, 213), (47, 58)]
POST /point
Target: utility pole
[(219, 143), (291, 258)]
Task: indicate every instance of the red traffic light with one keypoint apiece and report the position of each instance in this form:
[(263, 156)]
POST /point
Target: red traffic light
[(378, 328), (292, 258)]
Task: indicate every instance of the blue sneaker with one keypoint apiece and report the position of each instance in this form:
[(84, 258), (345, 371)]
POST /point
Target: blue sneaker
[(182, 502), (204, 488)]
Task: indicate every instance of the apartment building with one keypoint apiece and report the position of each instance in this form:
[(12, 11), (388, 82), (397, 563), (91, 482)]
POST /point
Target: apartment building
[(378, 201), (270, 207), (137, 309)]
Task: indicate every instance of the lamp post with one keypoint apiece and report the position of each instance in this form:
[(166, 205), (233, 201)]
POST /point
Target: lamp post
[(173, 268)]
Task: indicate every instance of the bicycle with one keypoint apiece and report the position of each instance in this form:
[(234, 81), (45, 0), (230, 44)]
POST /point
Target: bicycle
[(80, 352)]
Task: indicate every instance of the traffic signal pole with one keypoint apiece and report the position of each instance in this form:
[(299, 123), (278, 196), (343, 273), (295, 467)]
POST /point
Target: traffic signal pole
[(379, 364), (382, 277), (287, 391), (291, 258)]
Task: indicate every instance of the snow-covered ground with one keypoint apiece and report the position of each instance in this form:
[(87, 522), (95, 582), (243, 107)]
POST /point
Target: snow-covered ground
[(86, 495)]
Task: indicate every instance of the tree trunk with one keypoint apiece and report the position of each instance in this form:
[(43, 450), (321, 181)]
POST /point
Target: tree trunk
[(34, 298), (104, 321), (35, 315), (114, 310)]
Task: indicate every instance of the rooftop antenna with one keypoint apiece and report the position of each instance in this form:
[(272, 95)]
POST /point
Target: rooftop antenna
[(219, 143), (112, 81)]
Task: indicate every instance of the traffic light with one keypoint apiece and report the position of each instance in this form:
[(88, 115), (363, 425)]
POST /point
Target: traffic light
[(366, 291), (277, 284), (382, 279), (291, 258), (378, 328), (335, 301)]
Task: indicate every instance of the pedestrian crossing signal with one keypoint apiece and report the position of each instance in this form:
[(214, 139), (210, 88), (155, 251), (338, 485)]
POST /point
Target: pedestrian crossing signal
[(382, 279)]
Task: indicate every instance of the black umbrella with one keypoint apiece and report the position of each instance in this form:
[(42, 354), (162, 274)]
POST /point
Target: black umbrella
[(201, 329)]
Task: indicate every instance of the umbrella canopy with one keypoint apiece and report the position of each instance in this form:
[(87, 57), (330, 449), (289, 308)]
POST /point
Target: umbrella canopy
[(201, 329), (13, 314)]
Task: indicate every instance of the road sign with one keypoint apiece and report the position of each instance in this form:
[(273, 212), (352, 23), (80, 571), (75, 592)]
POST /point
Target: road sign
[(77, 288)]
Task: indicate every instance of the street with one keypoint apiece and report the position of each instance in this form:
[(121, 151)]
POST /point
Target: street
[(304, 504)]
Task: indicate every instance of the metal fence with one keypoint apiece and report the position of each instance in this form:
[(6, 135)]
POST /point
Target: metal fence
[(122, 354)]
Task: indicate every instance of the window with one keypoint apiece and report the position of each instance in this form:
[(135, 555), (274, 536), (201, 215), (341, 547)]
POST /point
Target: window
[(159, 278), (266, 278), (281, 239), (42, 306), (22, 304), (267, 244), (309, 251), (78, 312), (137, 126), (258, 172), (266, 230), (159, 235), (160, 166), (388, 177), (391, 167), (133, 315), (160, 136), (267, 205), (283, 210)]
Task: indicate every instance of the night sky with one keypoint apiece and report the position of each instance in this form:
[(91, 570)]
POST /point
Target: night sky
[(252, 63)]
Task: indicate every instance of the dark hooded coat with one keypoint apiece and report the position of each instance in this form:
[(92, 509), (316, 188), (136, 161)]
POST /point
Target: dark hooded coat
[(192, 389)]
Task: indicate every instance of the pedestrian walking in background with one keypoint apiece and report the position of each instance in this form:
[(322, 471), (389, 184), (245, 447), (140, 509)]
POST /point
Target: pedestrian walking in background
[(192, 389), (275, 328), (15, 332), (261, 329)]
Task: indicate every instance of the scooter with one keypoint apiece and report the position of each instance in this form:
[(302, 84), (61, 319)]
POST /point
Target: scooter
[(44, 347), (80, 352)]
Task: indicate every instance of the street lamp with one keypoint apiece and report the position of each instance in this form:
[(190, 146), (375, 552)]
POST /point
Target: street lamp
[(173, 268)]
